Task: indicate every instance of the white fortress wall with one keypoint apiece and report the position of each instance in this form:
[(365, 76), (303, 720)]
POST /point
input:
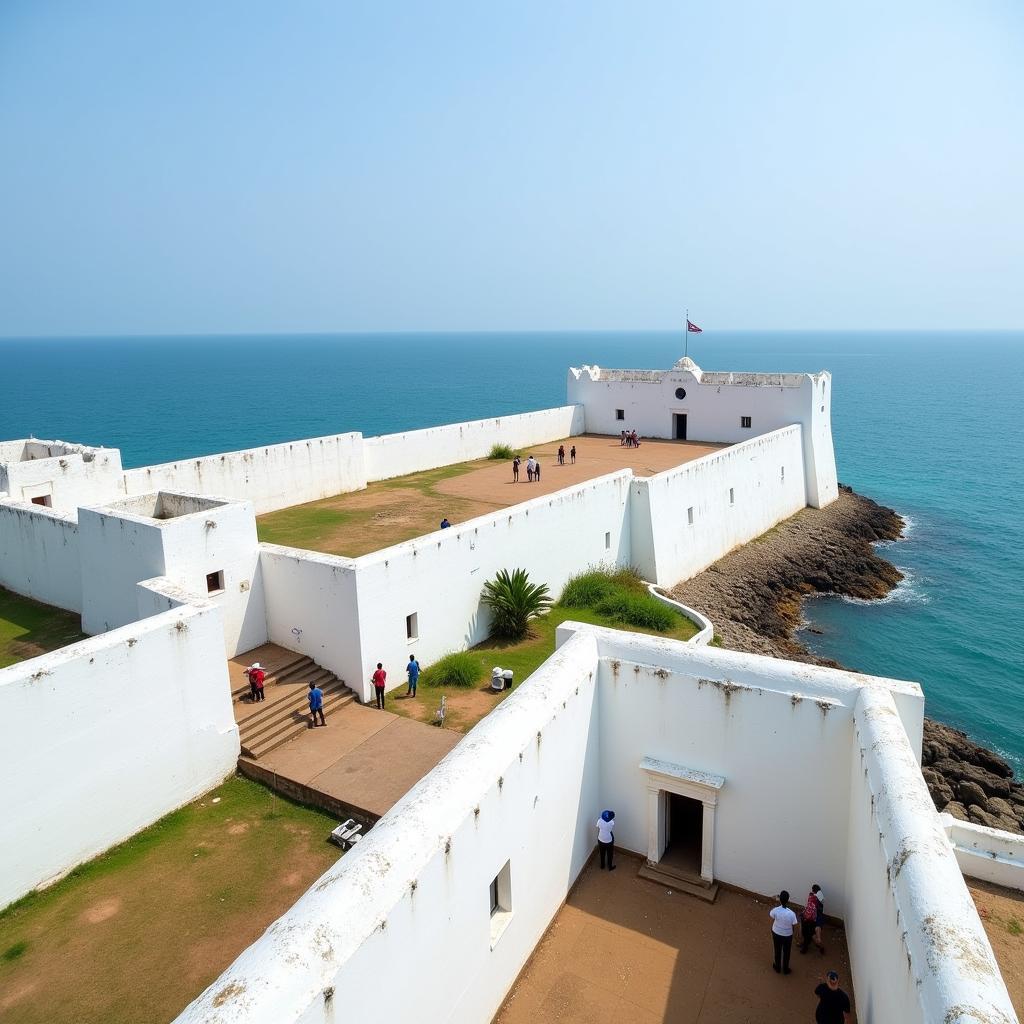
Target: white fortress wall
[(272, 477), (180, 537), (732, 495), (986, 853), (780, 734), (520, 789), (918, 950), (311, 608), (39, 554), (62, 474), (439, 577), (104, 737), (392, 455)]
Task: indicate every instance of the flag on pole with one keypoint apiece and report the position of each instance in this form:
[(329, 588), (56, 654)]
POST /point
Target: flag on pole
[(691, 327)]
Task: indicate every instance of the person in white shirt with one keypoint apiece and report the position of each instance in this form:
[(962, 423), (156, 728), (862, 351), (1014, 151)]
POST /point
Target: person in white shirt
[(784, 923), (606, 839)]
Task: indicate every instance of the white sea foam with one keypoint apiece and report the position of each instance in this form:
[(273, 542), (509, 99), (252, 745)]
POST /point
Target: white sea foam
[(909, 590)]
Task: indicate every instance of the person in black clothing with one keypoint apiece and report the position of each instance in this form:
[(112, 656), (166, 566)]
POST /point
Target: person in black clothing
[(572, 455), (833, 1003), (561, 454)]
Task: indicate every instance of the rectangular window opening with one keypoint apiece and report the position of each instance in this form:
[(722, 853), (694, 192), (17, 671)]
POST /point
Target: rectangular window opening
[(412, 626), (501, 902), (215, 582), (689, 516), (745, 422), (782, 473), (43, 499), (620, 414), (732, 496), (607, 541)]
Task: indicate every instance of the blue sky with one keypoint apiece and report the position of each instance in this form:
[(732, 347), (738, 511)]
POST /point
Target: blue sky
[(242, 167)]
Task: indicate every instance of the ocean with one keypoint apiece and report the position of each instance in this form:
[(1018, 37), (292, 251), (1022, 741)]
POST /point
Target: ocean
[(927, 423)]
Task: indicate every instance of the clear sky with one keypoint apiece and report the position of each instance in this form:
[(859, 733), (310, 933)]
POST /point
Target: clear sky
[(257, 166)]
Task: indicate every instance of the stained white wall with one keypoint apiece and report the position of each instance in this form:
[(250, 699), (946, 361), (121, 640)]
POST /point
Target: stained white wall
[(71, 475), (272, 477), (766, 477), (918, 951), (121, 546), (714, 405), (520, 789), (311, 608), (39, 554), (440, 577), (986, 853), (736, 715), (105, 736), (393, 455)]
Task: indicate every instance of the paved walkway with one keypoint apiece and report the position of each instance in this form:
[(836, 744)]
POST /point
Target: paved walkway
[(625, 949)]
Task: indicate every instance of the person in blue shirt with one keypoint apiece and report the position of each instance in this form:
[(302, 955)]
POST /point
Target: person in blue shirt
[(316, 704), (413, 671), (445, 524)]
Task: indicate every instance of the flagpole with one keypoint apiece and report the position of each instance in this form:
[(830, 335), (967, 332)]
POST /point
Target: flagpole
[(686, 331)]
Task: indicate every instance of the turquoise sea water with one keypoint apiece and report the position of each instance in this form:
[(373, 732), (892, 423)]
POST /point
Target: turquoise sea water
[(927, 423)]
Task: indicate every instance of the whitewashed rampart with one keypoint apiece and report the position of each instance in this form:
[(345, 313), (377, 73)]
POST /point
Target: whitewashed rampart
[(732, 496), (104, 737), (272, 477), (525, 787), (59, 474), (520, 789), (39, 554), (392, 455), (917, 948), (989, 854)]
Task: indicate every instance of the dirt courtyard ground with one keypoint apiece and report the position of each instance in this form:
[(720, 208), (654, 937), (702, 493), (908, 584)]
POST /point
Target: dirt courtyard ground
[(393, 511), (1002, 913), (626, 949)]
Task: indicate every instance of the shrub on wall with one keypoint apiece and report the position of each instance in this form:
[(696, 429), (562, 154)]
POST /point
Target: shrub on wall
[(619, 594), (459, 668), (502, 451), (638, 610), (513, 600)]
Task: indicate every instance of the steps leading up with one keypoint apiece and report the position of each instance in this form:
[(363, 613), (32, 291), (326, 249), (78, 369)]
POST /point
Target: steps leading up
[(680, 881), (284, 714)]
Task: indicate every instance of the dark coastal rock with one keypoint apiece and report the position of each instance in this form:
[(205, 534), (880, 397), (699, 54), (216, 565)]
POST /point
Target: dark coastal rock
[(755, 596)]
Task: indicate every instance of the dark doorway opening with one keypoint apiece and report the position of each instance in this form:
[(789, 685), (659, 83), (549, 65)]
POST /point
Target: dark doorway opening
[(684, 832), (679, 424)]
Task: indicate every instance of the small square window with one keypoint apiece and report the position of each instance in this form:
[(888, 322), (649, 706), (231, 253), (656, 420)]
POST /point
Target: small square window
[(607, 541), (689, 516), (620, 414), (501, 902), (745, 422), (412, 626), (215, 582), (732, 496)]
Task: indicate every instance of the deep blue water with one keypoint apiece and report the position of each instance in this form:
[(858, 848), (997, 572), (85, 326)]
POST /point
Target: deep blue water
[(927, 423)]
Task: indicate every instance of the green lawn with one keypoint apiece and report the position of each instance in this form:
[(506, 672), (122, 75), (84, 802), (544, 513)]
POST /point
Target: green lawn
[(466, 706), (28, 628), (139, 932)]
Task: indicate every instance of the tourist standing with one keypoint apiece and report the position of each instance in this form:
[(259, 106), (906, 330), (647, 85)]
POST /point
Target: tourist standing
[(606, 839), (536, 470), (316, 705), (622, 438), (784, 923), (812, 919), (380, 678), (833, 1003), (256, 676), (412, 670), (530, 466), (572, 455), (445, 524), (561, 454), (515, 470)]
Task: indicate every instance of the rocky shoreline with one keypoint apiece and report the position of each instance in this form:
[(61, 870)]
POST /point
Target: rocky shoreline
[(754, 597)]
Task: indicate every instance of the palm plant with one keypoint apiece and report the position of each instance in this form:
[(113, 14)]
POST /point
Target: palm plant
[(513, 600)]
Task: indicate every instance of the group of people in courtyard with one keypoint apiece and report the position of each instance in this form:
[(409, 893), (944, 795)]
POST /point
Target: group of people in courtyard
[(629, 439), (833, 1003), (533, 464)]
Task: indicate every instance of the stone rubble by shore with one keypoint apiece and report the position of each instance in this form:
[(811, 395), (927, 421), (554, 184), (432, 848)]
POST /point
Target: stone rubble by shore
[(754, 597)]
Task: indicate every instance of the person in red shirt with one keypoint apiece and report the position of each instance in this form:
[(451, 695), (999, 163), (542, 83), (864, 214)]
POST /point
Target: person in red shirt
[(380, 677), (256, 676)]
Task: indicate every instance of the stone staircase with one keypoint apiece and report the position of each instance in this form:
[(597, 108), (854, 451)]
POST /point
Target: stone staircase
[(681, 881), (284, 714)]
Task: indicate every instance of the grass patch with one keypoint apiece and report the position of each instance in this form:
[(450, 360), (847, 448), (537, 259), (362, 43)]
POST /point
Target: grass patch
[(502, 451), (459, 668), (638, 610), (1014, 927), (621, 597), (28, 628), (213, 875)]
